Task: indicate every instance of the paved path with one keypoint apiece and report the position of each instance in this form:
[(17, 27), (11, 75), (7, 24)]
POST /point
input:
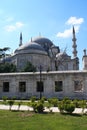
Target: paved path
[(26, 108)]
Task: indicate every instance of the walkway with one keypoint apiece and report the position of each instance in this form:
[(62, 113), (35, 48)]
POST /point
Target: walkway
[(26, 108)]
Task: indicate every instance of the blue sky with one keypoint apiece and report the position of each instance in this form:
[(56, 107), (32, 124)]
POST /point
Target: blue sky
[(50, 18)]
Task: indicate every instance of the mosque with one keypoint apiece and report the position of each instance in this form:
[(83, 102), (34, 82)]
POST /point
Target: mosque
[(57, 74), (43, 52)]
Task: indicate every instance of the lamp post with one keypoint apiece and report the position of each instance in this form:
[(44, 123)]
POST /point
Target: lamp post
[(40, 82)]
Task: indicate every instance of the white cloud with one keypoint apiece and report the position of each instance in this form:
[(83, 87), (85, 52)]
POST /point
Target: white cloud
[(71, 21), (19, 24), (11, 28), (74, 21), (67, 33)]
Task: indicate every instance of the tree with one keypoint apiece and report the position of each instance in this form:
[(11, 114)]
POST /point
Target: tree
[(29, 67), (7, 68), (3, 50)]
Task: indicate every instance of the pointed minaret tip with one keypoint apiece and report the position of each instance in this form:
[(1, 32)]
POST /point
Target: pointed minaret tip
[(73, 30), (20, 39)]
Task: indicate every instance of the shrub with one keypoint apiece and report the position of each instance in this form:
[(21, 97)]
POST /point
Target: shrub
[(66, 105), (53, 101), (4, 98), (34, 104), (37, 106), (76, 103), (33, 98), (61, 106), (82, 105), (69, 107), (42, 100), (19, 104), (10, 102)]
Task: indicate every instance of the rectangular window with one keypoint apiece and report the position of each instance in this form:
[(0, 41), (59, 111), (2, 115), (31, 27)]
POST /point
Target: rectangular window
[(78, 86), (58, 86), (40, 87), (22, 86), (5, 86)]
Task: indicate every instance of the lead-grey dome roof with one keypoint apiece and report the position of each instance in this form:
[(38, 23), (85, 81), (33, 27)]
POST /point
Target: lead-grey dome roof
[(30, 47), (43, 40)]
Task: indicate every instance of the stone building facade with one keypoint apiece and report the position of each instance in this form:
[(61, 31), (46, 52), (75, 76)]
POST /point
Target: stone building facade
[(72, 84)]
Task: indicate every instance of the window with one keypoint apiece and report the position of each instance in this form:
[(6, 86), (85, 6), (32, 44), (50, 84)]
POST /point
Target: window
[(78, 86), (58, 86), (22, 86), (5, 86), (40, 87)]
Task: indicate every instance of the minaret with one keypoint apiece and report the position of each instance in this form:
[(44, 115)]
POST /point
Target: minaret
[(75, 58), (74, 44), (20, 39), (84, 59)]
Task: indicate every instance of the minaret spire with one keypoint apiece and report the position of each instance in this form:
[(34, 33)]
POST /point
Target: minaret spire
[(20, 39), (74, 44)]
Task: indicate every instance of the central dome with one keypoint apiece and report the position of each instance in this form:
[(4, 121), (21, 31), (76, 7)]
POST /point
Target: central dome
[(42, 41)]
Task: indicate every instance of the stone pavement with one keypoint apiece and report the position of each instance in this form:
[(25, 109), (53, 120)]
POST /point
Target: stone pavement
[(26, 108)]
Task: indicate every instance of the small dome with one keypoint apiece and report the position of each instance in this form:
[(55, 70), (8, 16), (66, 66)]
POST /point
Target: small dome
[(62, 55)]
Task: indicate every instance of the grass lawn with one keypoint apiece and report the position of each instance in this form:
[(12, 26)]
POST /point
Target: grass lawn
[(11, 120)]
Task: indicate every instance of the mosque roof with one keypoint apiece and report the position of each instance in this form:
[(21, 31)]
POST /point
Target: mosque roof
[(39, 44), (43, 40), (31, 47)]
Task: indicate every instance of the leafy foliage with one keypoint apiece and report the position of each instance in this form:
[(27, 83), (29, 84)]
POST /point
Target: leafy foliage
[(37, 106), (66, 105), (6, 68), (10, 102), (69, 107), (29, 68), (53, 101), (33, 98)]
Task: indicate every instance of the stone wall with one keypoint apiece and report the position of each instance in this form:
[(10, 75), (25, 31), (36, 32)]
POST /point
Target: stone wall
[(73, 83)]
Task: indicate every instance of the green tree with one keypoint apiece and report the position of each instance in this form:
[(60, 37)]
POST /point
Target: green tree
[(7, 68), (3, 51), (29, 67)]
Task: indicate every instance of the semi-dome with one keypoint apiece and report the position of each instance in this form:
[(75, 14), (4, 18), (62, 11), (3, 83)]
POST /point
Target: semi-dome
[(30, 47)]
